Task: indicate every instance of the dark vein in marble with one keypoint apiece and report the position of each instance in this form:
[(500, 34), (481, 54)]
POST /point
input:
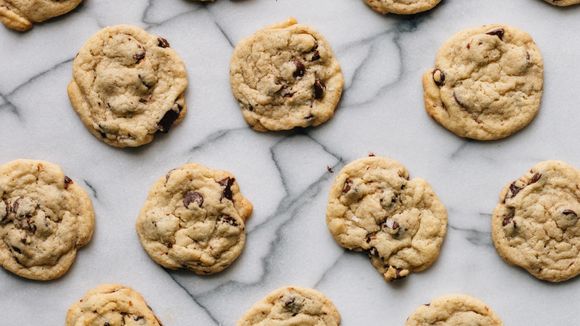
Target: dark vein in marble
[(92, 188), (329, 270), (475, 237), (37, 76), (204, 308), (220, 27), (216, 135), (10, 107)]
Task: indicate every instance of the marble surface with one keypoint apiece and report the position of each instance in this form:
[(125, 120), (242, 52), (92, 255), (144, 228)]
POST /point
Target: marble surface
[(284, 174)]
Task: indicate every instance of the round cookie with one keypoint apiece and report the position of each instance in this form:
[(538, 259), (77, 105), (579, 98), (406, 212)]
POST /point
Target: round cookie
[(21, 14), (563, 3), (111, 305), (535, 225), (285, 76), (454, 310), (292, 306), (45, 217), (373, 206), (402, 7), (128, 85), (487, 82), (194, 218)]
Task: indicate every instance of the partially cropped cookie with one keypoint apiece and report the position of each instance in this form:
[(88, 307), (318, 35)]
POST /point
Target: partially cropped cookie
[(285, 76), (128, 85), (292, 306), (45, 217), (487, 82), (21, 14), (111, 305), (454, 310), (194, 218), (563, 3), (535, 226), (375, 207), (401, 7)]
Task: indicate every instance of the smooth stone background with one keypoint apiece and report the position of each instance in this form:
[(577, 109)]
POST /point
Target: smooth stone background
[(284, 174)]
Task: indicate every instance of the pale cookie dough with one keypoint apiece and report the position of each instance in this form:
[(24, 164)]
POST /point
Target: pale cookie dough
[(194, 218), (21, 14), (454, 310), (45, 217), (285, 76), (563, 3), (535, 225), (401, 7), (373, 206), (292, 306), (127, 86), (111, 305), (487, 82)]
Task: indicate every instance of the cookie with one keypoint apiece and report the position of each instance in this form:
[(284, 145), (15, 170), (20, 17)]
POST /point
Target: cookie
[(401, 7), (286, 76), (292, 306), (21, 14), (45, 217), (375, 207), (127, 86), (487, 82), (111, 305), (563, 3), (454, 310), (194, 218), (535, 225)]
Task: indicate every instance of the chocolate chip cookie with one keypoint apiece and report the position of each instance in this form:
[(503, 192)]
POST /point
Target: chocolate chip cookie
[(21, 14), (535, 225), (127, 86), (111, 305), (487, 82), (292, 306), (194, 218), (375, 207), (454, 310), (401, 7), (286, 76), (563, 3), (45, 217)]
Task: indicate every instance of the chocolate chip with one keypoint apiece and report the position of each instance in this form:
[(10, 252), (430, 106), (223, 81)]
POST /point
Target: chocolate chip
[(169, 118), (137, 318), (161, 42), (139, 56), (192, 197), (67, 182), (292, 305), (300, 69), (497, 32), (228, 220), (514, 189), (535, 178), (227, 184), (371, 154), (309, 117), (373, 251), (315, 56), (438, 77), (570, 213), (347, 186), (319, 88), (16, 249), (507, 219)]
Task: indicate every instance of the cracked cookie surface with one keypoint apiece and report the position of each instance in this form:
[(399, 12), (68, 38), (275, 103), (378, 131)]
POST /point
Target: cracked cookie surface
[(563, 3), (45, 217), (487, 82), (127, 86), (373, 206), (111, 305), (21, 14), (454, 310), (536, 226), (194, 218), (401, 7), (285, 76), (292, 306)]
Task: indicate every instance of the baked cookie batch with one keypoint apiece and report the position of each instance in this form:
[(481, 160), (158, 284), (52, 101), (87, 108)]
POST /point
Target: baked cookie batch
[(129, 85)]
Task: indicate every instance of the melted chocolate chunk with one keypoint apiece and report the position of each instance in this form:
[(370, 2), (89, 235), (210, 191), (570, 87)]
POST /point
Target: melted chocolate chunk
[(228, 220), (169, 118), (514, 189), (347, 186), (161, 42), (315, 56), (438, 77), (570, 213), (67, 182), (192, 197), (319, 88), (139, 56), (292, 305), (507, 219), (227, 184), (300, 69), (535, 178), (499, 32)]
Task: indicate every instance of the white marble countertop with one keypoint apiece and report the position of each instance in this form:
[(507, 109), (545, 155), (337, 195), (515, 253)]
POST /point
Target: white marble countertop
[(284, 174)]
